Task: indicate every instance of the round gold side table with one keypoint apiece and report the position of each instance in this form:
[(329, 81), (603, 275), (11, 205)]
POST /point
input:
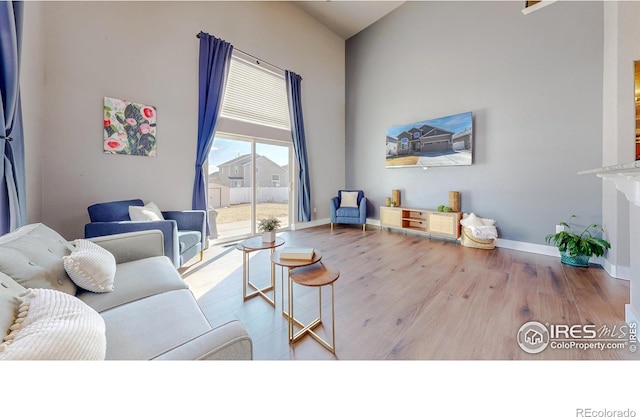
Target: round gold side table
[(251, 245), (316, 275)]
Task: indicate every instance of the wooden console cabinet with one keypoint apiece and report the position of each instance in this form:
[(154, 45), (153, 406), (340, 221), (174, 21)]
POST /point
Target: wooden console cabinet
[(430, 222)]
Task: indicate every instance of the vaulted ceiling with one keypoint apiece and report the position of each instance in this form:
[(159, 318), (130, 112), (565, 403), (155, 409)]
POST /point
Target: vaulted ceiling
[(347, 18)]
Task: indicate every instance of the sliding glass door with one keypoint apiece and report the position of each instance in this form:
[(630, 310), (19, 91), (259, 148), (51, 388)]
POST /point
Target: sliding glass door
[(249, 179)]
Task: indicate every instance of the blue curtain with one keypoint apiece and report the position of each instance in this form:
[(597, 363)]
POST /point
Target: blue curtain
[(13, 208), (294, 97), (215, 56)]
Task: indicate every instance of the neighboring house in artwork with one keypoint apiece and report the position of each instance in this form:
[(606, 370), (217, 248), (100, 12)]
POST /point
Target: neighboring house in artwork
[(236, 174), (462, 141), (392, 146)]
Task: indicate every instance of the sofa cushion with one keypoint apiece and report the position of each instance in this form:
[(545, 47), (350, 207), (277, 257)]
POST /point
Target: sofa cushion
[(187, 239), (53, 325), (90, 266), (9, 301), (135, 280), (152, 326), (348, 212), (32, 256)]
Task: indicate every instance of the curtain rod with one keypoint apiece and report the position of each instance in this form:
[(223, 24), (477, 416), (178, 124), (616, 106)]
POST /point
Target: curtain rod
[(258, 60)]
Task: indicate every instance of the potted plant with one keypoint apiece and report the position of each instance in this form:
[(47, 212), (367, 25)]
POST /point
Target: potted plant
[(268, 228), (576, 249)]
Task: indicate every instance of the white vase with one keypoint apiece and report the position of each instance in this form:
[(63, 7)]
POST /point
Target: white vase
[(268, 237)]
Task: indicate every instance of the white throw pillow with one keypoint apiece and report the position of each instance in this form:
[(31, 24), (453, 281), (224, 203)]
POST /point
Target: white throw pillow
[(471, 221), (349, 199), (488, 222), (52, 325), (146, 213), (90, 266)]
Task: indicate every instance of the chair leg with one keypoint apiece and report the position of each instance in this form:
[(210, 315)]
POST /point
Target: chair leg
[(363, 226), (201, 255), (332, 227)]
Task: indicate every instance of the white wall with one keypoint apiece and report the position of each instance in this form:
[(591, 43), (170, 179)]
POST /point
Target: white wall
[(32, 94), (621, 49), (148, 52), (533, 83)]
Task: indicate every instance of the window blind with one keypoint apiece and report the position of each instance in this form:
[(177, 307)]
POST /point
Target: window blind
[(255, 94)]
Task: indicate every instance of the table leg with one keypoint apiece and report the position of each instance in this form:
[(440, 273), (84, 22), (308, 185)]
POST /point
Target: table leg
[(244, 275), (246, 272)]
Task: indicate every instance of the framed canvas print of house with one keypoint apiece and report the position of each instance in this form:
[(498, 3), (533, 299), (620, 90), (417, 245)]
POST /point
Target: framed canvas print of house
[(445, 141)]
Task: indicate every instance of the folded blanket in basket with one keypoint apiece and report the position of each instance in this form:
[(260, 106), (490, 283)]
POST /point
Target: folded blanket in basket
[(480, 228)]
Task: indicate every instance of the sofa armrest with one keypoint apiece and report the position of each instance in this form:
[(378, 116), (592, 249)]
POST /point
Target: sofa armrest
[(127, 247), (168, 228), (226, 342)]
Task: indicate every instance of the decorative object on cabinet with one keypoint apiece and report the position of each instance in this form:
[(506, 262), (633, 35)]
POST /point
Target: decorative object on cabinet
[(454, 200), (395, 197)]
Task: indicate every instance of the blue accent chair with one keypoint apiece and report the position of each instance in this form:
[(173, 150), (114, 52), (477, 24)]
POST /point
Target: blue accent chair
[(184, 231), (349, 215)]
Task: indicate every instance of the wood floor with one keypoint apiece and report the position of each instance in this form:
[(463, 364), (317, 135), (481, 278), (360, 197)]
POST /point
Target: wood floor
[(413, 298)]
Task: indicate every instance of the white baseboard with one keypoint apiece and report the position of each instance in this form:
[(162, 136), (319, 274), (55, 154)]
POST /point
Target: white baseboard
[(620, 272), (374, 222), (312, 223), (321, 222), (527, 247)]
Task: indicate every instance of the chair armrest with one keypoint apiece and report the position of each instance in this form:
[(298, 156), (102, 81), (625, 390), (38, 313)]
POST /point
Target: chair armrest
[(127, 247), (363, 210), (188, 219), (229, 341), (168, 228), (335, 204), (195, 220)]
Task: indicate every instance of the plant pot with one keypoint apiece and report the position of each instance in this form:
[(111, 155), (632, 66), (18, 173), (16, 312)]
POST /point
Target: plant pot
[(268, 237), (580, 260)]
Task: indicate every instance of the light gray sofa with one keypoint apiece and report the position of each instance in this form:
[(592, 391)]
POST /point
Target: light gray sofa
[(151, 314)]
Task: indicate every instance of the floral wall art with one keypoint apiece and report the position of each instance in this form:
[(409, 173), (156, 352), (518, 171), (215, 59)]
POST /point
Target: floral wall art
[(129, 128)]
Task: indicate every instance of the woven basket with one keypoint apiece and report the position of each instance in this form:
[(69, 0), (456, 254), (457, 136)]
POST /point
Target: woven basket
[(467, 239)]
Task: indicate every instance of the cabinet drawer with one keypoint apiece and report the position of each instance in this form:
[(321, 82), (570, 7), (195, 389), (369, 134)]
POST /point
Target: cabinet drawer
[(390, 217), (444, 224)]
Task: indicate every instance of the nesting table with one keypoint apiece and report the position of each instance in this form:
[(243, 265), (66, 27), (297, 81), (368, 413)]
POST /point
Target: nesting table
[(252, 245), (310, 273)]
